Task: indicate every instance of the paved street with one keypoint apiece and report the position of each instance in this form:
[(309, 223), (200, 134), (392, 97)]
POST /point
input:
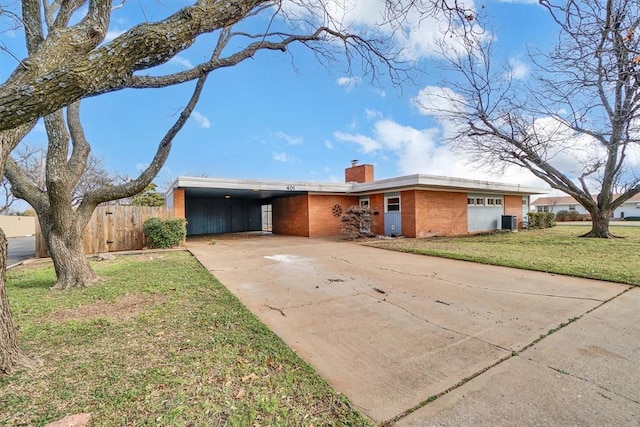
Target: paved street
[(21, 248)]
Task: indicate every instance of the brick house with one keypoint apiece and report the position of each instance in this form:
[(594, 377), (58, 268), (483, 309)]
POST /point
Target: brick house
[(630, 208), (412, 205)]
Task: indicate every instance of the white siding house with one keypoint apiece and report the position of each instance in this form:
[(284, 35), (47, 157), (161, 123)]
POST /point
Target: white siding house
[(566, 203)]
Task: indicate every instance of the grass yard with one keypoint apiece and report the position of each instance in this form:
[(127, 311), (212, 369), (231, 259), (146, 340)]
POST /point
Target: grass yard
[(159, 342), (554, 250)]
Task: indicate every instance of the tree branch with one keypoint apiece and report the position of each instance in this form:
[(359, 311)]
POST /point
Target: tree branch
[(92, 199)]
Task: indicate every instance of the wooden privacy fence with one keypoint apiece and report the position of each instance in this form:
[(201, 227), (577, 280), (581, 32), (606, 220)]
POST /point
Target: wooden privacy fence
[(111, 229)]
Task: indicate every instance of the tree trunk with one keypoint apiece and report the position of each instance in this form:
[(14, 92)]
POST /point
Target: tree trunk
[(67, 252), (600, 225), (11, 357)]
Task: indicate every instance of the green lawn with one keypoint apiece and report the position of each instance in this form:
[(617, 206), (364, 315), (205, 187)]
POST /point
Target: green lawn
[(159, 342), (555, 250)]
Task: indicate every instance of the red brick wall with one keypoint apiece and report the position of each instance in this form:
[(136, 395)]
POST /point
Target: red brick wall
[(178, 203), (376, 203), (322, 222), (439, 213), (290, 216), (361, 173), (408, 212), (513, 206)]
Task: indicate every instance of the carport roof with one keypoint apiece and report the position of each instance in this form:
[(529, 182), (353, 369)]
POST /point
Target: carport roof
[(264, 189)]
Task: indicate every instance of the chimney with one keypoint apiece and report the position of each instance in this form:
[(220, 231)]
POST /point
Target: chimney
[(358, 173)]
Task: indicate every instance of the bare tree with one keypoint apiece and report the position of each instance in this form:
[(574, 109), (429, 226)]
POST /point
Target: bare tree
[(575, 125), (68, 60), (30, 158), (31, 161), (62, 223)]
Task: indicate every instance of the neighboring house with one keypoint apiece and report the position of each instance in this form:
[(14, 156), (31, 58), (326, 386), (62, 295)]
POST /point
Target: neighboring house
[(567, 203), (413, 205)]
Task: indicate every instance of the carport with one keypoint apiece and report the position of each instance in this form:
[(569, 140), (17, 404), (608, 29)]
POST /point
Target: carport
[(214, 206)]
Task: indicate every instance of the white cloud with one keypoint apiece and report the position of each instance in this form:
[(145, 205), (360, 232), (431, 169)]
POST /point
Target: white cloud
[(348, 83), (518, 69), (328, 144), (423, 151), (419, 35), (367, 144), (439, 102), (371, 114), (291, 140), (181, 61), (282, 157), (201, 120)]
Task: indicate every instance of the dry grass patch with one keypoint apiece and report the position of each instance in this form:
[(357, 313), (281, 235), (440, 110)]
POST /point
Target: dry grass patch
[(124, 308)]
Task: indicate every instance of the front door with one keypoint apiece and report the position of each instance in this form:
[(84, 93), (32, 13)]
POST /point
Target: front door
[(392, 215)]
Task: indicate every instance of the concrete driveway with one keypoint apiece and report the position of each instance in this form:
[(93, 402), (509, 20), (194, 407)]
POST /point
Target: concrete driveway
[(392, 331)]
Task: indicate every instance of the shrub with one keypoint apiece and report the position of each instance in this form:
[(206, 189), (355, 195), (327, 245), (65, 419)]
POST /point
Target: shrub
[(632, 218), (562, 215), (575, 216), (541, 219), (165, 233), (357, 222)]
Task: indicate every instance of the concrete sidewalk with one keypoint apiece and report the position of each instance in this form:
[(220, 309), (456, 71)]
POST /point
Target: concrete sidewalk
[(392, 330)]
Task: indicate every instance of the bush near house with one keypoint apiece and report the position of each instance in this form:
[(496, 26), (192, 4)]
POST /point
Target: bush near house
[(357, 222), (165, 233), (571, 216), (632, 218), (541, 219)]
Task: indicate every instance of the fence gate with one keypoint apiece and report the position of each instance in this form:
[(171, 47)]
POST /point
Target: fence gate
[(112, 228)]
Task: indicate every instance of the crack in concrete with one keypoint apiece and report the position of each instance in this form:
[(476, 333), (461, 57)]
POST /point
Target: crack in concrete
[(435, 276), (563, 372), (409, 411), (444, 328)]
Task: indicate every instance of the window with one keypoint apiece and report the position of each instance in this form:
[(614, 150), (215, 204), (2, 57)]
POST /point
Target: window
[(542, 209), (393, 204), (364, 203), (470, 201), (491, 201), (524, 201), (572, 208), (479, 201), (499, 202)]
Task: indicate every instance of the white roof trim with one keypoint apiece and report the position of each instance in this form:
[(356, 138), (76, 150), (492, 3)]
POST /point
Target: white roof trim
[(399, 183)]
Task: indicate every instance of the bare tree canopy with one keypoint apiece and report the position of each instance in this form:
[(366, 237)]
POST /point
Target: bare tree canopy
[(575, 126), (68, 61), (32, 160)]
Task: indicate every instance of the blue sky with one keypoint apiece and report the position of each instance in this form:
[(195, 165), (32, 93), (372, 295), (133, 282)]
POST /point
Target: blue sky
[(286, 117)]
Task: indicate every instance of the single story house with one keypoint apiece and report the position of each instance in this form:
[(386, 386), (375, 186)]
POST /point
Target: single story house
[(567, 203), (412, 205)]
